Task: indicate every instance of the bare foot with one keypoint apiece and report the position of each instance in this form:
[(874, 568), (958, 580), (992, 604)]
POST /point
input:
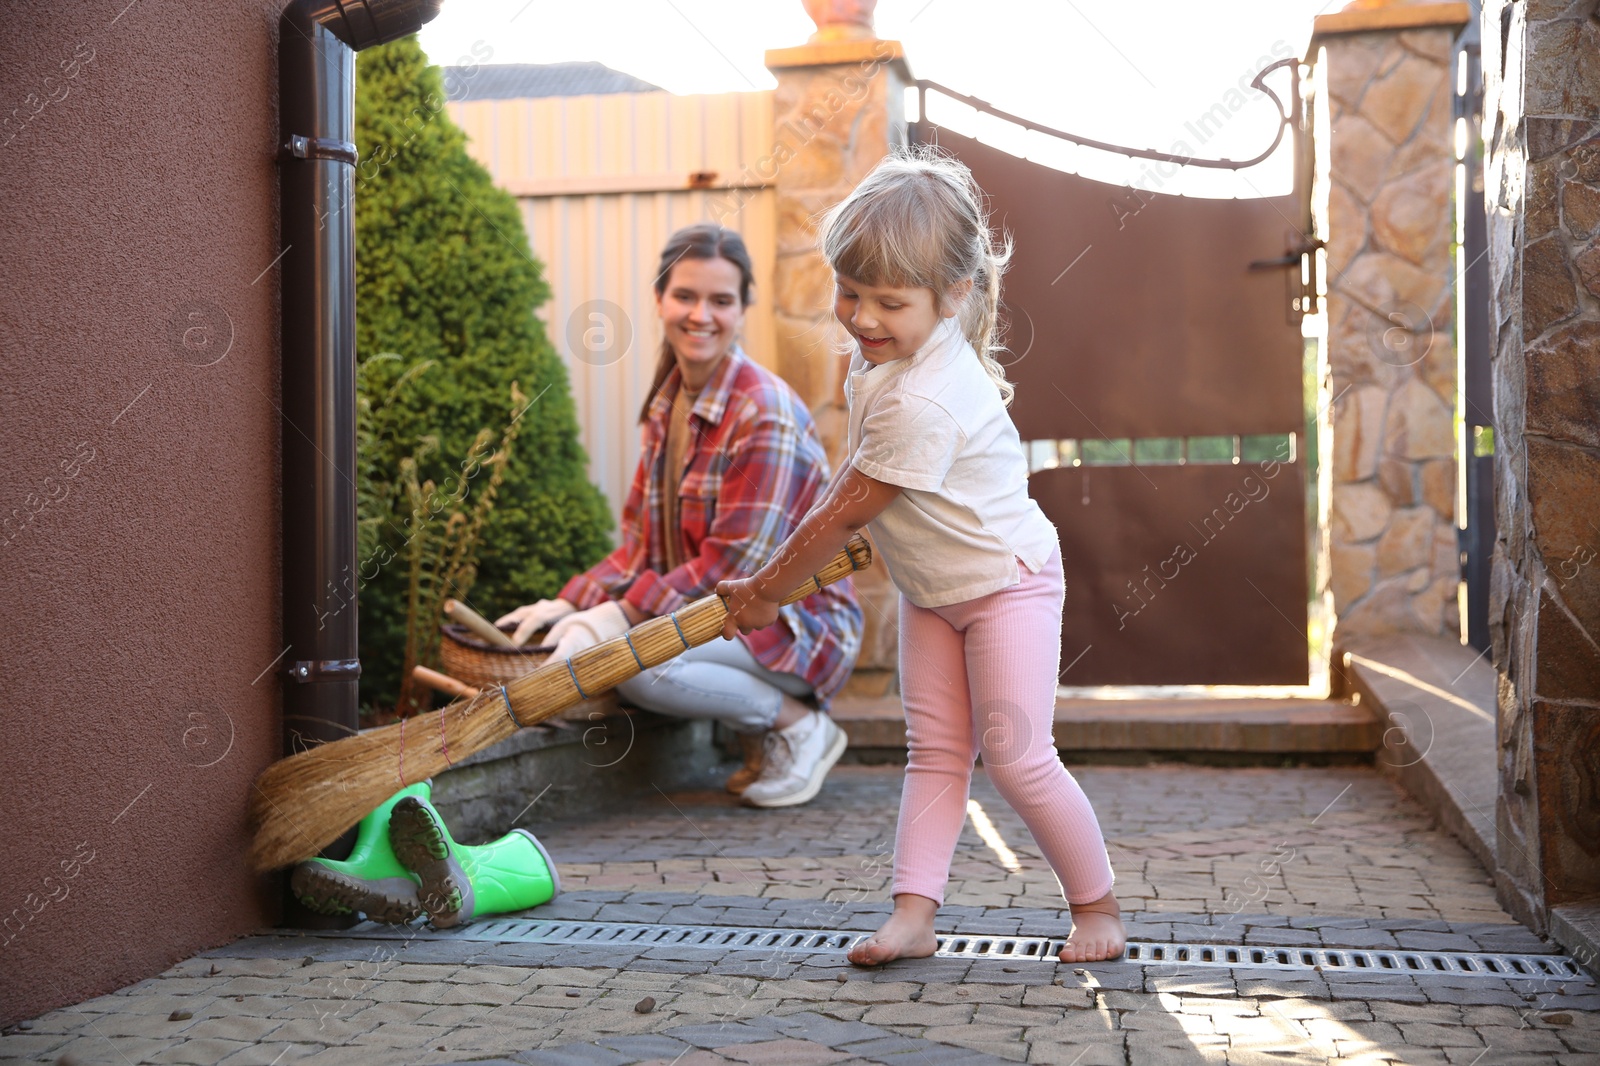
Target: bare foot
[(908, 934), (1097, 932)]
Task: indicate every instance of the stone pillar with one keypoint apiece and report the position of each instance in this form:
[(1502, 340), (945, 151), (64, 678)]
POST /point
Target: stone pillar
[(1542, 185), (1393, 560), (838, 111)]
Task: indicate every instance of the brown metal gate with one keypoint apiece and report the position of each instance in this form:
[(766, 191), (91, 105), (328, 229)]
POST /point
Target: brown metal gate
[(1159, 388)]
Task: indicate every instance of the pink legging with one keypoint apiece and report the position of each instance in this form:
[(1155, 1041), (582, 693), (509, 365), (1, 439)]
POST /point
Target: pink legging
[(980, 676)]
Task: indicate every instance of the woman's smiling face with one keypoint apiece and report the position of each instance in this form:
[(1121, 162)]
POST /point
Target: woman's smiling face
[(888, 322), (701, 313)]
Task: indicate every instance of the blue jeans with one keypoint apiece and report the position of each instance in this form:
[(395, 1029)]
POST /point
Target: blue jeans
[(719, 680)]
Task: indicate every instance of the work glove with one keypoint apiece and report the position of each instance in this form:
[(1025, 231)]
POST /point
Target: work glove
[(531, 618), (585, 629)]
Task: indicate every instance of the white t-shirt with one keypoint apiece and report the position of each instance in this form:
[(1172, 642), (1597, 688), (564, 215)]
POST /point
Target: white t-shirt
[(934, 425)]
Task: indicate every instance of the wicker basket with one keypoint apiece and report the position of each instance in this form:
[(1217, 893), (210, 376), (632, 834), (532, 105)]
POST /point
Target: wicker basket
[(474, 661)]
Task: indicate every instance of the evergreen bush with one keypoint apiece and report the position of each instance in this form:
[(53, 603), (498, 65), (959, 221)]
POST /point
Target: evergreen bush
[(446, 287)]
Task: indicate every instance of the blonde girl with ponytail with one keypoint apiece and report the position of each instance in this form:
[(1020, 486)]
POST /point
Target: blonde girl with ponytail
[(935, 468)]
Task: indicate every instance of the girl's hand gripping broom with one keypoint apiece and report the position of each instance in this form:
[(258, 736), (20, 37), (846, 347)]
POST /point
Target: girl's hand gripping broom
[(302, 803)]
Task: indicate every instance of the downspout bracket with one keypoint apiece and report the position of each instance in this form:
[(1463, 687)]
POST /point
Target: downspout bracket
[(308, 670), (301, 147)]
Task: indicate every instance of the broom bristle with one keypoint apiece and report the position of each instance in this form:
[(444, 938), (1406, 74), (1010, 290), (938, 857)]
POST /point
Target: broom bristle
[(304, 802)]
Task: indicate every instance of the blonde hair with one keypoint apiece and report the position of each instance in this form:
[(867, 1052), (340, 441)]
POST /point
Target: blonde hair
[(918, 220)]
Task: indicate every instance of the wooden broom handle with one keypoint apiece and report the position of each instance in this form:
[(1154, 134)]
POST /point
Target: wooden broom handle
[(855, 554), (557, 685), (443, 682), (476, 622)]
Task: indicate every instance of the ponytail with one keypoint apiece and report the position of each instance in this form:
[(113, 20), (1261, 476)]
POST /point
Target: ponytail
[(665, 361), (980, 321)]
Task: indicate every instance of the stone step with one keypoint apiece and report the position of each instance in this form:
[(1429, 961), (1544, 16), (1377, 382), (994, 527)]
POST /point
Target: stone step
[(1247, 726), (1435, 698), (595, 758)]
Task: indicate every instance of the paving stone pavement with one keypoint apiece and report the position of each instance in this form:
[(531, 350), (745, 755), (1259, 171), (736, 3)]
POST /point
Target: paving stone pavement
[(1319, 857), (1338, 841)]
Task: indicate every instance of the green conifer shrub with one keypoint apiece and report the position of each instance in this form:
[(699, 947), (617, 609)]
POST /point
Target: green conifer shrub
[(446, 284)]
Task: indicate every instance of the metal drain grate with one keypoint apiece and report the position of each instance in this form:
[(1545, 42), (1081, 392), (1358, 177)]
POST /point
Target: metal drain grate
[(1351, 960), (1018, 948), (619, 934)]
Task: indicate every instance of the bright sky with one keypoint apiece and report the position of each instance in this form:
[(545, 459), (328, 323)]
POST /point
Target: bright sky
[(1141, 74)]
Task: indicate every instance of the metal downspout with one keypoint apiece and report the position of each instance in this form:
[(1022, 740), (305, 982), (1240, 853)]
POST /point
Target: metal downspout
[(317, 43)]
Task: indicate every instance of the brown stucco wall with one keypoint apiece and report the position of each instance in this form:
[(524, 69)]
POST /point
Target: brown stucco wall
[(140, 602)]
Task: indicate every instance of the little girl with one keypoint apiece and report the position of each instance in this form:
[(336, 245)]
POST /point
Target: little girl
[(936, 468)]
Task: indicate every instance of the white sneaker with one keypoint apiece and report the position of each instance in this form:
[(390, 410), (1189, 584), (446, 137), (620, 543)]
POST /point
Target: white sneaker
[(796, 761)]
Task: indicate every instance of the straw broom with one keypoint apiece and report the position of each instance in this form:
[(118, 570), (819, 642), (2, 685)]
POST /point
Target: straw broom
[(304, 802)]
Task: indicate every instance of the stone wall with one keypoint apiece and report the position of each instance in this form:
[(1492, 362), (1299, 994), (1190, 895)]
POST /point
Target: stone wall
[(837, 113), (1393, 559), (1542, 125)]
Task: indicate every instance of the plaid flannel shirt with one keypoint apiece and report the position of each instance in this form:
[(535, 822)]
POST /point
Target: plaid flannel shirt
[(751, 472)]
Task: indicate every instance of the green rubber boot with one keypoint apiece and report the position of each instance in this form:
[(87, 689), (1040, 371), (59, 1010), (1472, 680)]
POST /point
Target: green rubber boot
[(460, 883), (372, 880)]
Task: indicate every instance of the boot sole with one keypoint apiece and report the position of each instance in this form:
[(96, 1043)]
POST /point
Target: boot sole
[(329, 892), (813, 786), (420, 844)]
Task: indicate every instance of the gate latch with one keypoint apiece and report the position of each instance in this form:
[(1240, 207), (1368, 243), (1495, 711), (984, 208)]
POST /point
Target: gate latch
[(1302, 284), (1292, 258)]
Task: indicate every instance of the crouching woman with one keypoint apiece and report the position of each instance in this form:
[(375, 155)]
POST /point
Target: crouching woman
[(729, 464)]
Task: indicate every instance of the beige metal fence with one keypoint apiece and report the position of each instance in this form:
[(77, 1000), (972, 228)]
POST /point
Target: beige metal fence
[(602, 181)]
